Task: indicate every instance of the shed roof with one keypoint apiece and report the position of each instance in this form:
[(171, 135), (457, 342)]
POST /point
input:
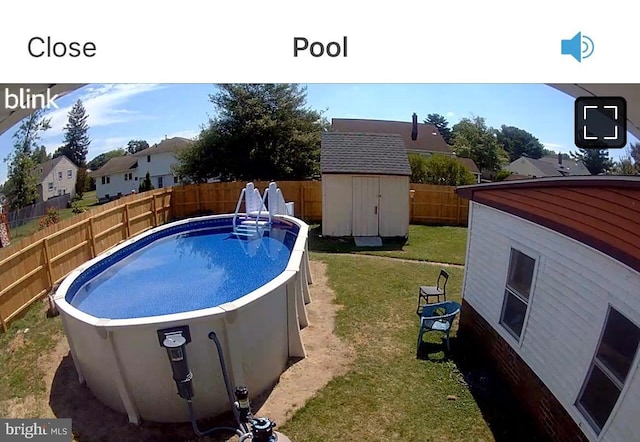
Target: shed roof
[(364, 153)]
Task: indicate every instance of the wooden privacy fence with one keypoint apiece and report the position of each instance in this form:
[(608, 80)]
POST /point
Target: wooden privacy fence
[(223, 197), (437, 205), (31, 267)]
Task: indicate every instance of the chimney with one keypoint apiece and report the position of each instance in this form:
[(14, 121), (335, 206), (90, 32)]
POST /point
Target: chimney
[(560, 159), (414, 127)]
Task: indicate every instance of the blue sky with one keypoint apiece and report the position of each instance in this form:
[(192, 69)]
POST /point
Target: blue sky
[(121, 112)]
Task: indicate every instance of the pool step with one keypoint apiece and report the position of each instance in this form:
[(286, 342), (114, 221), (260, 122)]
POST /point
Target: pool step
[(250, 229)]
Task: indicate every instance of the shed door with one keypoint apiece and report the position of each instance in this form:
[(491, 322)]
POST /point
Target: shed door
[(366, 210)]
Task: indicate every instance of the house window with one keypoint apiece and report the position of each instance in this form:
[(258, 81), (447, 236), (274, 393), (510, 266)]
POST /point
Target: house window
[(60, 176), (60, 192), (50, 186), (159, 181), (517, 292), (69, 174), (609, 370), (128, 176), (175, 179), (148, 158)]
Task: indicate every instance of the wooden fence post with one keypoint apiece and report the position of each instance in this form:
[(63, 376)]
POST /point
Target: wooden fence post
[(92, 237), (47, 258), (458, 212), (127, 224), (302, 201), (154, 210), (3, 324)]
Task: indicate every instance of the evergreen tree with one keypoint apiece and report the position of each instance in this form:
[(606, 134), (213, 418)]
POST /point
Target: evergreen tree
[(21, 186), (441, 124), (82, 181), (146, 184), (40, 155), (76, 137), (597, 161)]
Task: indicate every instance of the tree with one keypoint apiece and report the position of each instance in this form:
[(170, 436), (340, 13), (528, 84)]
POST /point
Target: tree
[(135, 146), (629, 163), (439, 169), (82, 182), (102, 159), (441, 124), (597, 161), (260, 131), (472, 138), (518, 142), (552, 153), (40, 155), (21, 186), (76, 138), (145, 185)]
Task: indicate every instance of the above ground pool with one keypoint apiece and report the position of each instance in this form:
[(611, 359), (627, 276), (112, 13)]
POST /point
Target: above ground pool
[(194, 276)]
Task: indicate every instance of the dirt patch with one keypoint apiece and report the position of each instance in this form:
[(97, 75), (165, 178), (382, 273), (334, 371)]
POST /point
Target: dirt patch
[(327, 357), (16, 343)]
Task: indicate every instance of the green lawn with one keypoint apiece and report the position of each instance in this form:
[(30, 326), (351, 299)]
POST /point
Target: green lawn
[(89, 199), (390, 394), (425, 243)]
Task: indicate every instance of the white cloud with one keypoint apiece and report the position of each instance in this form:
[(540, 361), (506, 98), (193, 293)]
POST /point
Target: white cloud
[(450, 114), (557, 147), (105, 105)]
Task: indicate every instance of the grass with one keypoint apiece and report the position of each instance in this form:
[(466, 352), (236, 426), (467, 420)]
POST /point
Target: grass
[(27, 339), (425, 243), (389, 394), (88, 199)]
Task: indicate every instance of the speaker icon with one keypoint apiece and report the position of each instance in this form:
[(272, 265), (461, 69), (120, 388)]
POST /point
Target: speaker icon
[(579, 47)]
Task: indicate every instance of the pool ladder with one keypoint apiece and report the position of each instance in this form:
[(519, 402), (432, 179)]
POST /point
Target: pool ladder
[(254, 222)]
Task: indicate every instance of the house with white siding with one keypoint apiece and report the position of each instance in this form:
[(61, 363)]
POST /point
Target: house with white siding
[(159, 159), (551, 293), (56, 177), (123, 175)]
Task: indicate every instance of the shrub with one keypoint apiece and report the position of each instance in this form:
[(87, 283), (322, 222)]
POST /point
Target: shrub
[(52, 217), (500, 176), (439, 169), (75, 208)]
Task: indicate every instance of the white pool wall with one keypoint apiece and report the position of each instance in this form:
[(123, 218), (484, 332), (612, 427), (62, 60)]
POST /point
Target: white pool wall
[(123, 365)]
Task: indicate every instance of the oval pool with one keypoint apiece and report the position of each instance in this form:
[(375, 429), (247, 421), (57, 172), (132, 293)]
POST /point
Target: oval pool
[(197, 274)]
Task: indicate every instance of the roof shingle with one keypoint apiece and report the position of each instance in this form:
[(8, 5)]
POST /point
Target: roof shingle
[(428, 140), (363, 153)]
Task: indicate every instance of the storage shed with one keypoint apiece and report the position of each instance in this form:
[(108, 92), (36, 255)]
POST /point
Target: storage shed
[(365, 185), (551, 294)]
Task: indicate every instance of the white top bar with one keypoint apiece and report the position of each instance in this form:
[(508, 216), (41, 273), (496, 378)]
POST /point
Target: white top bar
[(250, 41)]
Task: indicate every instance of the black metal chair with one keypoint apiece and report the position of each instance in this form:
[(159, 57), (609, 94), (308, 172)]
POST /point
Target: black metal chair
[(438, 290)]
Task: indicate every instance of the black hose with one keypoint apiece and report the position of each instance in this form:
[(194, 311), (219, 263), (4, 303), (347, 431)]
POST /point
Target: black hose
[(194, 424), (227, 383)]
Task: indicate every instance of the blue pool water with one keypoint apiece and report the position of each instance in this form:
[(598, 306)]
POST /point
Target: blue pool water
[(181, 272)]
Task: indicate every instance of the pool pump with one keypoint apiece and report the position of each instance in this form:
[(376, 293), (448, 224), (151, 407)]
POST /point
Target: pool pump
[(175, 341)]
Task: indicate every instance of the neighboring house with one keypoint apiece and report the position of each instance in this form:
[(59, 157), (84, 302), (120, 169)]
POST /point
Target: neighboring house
[(159, 159), (365, 185), (117, 177), (122, 175), (56, 177), (547, 167), (551, 295), (420, 138)]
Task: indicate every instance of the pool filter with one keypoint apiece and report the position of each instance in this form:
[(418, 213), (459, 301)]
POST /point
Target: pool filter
[(174, 340)]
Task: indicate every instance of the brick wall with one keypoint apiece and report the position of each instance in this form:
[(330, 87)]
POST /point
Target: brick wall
[(547, 412)]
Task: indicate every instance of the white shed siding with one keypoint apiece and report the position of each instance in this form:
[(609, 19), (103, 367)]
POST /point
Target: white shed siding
[(337, 204), (394, 206), (574, 285)]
